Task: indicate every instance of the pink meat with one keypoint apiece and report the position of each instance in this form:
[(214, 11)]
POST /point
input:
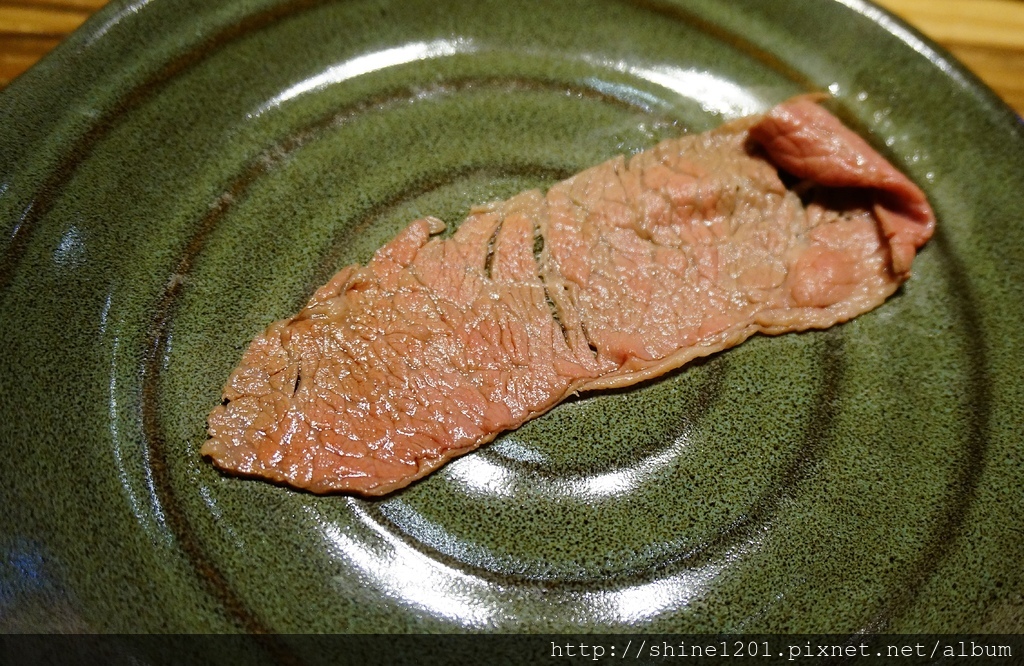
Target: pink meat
[(618, 274)]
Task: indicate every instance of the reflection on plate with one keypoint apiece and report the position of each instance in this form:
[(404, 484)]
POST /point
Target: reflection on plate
[(175, 178)]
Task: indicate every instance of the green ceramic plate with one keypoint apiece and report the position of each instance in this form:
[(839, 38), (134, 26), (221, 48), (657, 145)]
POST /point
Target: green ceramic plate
[(180, 173)]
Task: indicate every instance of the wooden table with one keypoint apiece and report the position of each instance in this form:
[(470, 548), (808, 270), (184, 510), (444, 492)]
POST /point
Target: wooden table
[(987, 35)]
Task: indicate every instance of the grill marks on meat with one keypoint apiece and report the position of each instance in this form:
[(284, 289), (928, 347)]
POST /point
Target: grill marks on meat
[(620, 273)]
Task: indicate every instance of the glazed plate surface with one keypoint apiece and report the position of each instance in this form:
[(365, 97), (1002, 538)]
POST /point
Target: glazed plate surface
[(179, 174)]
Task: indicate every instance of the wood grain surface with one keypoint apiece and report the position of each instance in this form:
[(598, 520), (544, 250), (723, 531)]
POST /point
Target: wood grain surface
[(986, 35)]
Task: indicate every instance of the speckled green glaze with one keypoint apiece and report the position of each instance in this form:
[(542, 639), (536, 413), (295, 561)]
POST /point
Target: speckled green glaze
[(179, 174)]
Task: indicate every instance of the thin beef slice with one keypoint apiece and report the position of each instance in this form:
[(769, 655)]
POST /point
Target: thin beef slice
[(618, 274)]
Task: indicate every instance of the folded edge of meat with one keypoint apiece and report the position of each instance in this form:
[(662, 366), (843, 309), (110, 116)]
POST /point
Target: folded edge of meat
[(775, 223)]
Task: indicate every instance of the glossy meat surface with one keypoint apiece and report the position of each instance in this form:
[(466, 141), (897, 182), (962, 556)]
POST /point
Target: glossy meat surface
[(775, 223)]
